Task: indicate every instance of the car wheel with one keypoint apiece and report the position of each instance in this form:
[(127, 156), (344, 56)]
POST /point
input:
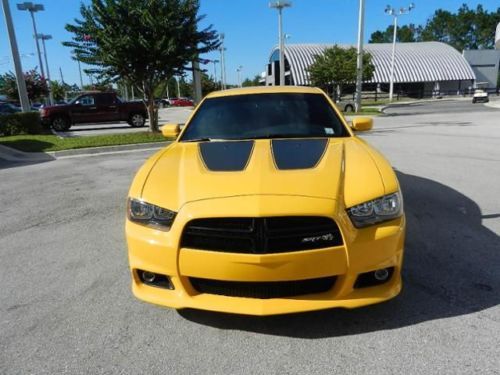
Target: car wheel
[(349, 108), (60, 124), (137, 120), (473, 100)]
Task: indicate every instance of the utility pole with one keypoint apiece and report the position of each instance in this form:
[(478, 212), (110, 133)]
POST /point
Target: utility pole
[(63, 85), (61, 75), (359, 63), (178, 87), (280, 5), (21, 84), (395, 13), (80, 71), (45, 37)]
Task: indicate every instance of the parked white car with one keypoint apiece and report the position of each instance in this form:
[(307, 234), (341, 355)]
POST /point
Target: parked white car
[(480, 96)]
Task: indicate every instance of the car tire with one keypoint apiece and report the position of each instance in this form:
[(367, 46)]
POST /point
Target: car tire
[(60, 123), (474, 101), (348, 108), (137, 120)]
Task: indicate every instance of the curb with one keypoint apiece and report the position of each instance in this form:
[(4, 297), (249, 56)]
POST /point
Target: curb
[(108, 149), (409, 103), (12, 154)]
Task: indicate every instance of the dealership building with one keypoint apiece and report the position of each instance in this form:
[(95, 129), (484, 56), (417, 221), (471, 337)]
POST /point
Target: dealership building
[(421, 68), (486, 63)]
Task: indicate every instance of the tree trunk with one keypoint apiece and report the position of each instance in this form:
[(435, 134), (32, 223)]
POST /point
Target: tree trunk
[(153, 115)]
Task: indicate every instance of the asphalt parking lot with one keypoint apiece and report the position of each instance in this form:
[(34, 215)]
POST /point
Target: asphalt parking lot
[(66, 305)]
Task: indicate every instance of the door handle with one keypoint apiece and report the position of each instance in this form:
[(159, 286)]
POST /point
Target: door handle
[(93, 107), (112, 106)]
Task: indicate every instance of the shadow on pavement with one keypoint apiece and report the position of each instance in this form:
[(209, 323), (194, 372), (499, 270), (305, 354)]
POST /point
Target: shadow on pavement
[(6, 164), (11, 157), (450, 269)]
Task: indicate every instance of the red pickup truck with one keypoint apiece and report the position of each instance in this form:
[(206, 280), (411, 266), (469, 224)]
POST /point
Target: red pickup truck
[(94, 107)]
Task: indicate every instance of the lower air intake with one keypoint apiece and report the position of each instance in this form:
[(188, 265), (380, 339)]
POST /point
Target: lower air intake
[(263, 290)]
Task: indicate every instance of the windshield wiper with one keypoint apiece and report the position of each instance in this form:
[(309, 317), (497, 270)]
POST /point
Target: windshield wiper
[(205, 139), (279, 135)]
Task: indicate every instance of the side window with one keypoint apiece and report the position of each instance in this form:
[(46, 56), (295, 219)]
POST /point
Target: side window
[(87, 100), (105, 99)]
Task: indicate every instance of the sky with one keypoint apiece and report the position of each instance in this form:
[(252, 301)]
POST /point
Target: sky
[(250, 29)]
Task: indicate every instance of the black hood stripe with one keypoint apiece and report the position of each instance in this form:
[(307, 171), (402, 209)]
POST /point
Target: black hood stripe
[(226, 156), (298, 153)]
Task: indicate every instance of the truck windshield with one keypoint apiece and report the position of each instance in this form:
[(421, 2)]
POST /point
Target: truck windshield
[(254, 116)]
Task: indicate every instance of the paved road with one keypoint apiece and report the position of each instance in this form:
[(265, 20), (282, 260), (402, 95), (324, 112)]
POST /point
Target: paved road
[(66, 307), (175, 115)]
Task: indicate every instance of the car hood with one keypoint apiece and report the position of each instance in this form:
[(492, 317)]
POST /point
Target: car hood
[(344, 169)]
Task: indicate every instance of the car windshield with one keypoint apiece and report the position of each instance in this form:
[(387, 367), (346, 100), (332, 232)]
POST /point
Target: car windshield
[(280, 115)]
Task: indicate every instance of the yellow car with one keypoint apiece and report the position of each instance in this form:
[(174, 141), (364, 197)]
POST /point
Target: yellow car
[(266, 203)]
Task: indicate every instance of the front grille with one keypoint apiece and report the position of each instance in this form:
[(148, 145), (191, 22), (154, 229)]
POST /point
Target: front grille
[(265, 235), (263, 290)]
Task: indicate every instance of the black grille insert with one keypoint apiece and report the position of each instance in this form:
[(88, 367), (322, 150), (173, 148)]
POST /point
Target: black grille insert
[(263, 290), (266, 235)]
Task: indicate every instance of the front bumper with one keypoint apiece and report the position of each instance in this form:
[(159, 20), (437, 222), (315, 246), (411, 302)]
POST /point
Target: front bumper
[(481, 99), (363, 251)]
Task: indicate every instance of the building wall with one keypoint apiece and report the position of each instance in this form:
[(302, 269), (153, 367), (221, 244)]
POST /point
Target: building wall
[(485, 64), (497, 37)]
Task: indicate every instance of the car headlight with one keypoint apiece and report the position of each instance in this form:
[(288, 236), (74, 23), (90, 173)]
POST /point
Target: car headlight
[(148, 214), (377, 210)]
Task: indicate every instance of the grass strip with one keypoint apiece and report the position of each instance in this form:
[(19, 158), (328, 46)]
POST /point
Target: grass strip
[(43, 143)]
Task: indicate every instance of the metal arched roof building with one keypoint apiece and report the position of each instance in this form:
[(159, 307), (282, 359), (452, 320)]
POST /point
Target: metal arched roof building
[(420, 62)]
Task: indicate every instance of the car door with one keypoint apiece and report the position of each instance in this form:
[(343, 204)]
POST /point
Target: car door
[(108, 107), (85, 109)]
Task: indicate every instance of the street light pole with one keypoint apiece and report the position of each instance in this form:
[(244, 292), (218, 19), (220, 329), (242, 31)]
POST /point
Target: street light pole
[(238, 70), (21, 84), (45, 37), (222, 62), (395, 13), (215, 70), (32, 8), (359, 63), (80, 71), (280, 5)]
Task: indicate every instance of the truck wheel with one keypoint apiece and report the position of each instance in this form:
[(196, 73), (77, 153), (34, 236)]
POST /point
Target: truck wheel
[(60, 124), (137, 120)]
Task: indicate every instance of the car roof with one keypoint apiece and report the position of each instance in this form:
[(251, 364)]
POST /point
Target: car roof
[(265, 90)]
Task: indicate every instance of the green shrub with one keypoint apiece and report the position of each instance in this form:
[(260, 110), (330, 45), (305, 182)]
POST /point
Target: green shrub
[(21, 123)]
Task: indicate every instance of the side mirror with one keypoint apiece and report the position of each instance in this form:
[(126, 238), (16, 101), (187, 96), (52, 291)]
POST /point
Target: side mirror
[(170, 130), (362, 123), (78, 102)]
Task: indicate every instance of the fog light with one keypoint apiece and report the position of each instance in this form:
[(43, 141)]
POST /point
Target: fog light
[(381, 275), (155, 279), (374, 278), (148, 277)]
